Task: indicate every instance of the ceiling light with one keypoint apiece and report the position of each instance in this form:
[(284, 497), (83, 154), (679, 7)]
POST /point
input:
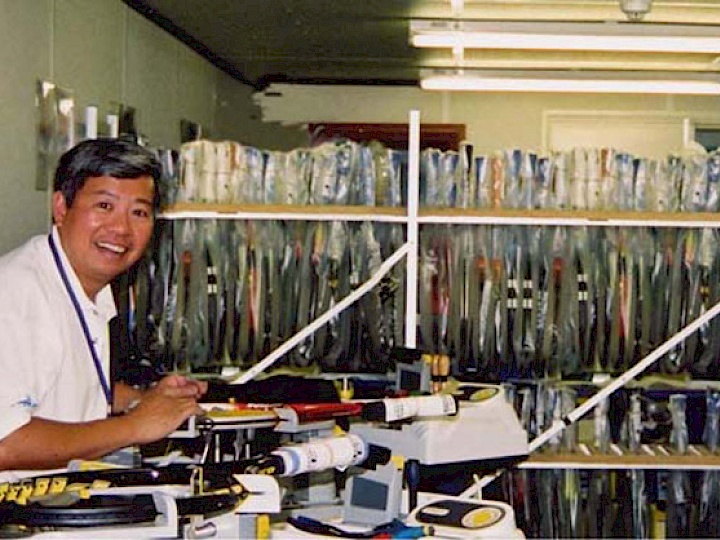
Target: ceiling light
[(635, 9), (638, 37), (574, 83)]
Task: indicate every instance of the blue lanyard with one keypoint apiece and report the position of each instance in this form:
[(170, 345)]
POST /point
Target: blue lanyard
[(83, 323)]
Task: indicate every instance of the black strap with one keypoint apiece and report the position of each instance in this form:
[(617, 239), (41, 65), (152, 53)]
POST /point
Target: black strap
[(83, 324)]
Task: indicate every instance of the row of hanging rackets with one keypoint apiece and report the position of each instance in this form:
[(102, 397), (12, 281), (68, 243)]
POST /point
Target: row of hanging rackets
[(514, 301), (596, 502), (502, 301), (340, 172), (579, 179), (216, 293), (347, 173)]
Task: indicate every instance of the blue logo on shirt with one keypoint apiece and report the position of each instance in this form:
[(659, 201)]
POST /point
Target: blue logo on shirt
[(27, 403)]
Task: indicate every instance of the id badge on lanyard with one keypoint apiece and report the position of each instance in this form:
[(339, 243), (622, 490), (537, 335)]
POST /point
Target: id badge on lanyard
[(83, 323)]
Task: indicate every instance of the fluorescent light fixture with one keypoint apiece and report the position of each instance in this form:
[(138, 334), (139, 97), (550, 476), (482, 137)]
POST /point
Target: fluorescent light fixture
[(629, 37), (574, 83)]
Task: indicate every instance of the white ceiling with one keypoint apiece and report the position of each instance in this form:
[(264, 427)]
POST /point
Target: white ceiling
[(366, 41)]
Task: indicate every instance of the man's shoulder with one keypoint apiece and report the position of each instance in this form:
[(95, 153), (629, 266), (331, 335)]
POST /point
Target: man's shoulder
[(31, 248), (25, 264)]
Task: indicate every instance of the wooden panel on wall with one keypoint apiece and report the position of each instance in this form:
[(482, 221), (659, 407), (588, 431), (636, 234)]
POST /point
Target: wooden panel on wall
[(442, 136)]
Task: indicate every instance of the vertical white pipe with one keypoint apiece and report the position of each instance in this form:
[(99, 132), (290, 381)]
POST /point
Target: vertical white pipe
[(457, 7), (413, 197), (688, 132), (91, 122), (113, 125)]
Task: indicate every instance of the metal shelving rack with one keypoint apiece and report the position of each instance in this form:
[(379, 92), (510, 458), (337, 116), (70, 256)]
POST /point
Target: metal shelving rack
[(653, 457), (413, 217)]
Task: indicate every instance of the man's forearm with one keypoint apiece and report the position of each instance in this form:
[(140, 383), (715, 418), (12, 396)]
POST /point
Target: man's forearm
[(45, 444)]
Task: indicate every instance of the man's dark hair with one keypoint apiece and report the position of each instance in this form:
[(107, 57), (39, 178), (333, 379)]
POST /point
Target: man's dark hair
[(105, 157)]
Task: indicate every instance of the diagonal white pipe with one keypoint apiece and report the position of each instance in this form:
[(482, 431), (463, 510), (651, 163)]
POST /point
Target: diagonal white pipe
[(577, 413), (580, 411)]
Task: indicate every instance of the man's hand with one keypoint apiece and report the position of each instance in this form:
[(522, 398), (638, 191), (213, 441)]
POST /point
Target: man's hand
[(45, 444), (178, 381), (163, 408)]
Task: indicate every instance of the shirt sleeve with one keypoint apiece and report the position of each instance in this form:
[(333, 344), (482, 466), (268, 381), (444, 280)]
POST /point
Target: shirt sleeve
[(17, 398), (26, 364)]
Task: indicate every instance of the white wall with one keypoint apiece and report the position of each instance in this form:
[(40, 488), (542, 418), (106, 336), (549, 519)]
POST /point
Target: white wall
[(496, 121), (108, 55), (239, 119), (648, 134), (24, 26)]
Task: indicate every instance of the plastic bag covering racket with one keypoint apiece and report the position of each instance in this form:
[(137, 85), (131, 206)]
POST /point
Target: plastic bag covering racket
[(196, 312), (709, 510), (460, 263), (242, 294), (182, 256), (598, 505), (640, 509), (679, 488), (227, 311), (216, 284), (709, 294), (374, 343), (308, 278), (387, 165), (323, 294), (462, 292), (570, 488), (340, 329)]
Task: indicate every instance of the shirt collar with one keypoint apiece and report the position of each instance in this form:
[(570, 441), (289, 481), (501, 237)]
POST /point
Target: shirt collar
[(104, 302)]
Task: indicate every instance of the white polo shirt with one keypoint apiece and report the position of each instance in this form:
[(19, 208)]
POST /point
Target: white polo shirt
[(46, 368)]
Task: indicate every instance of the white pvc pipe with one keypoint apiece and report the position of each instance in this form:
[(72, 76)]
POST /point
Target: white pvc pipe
[(91, 122), (577, 413), (113, 125), (413, 196)]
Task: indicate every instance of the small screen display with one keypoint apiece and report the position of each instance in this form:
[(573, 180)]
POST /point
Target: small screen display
[(409, 379), (369, 494)]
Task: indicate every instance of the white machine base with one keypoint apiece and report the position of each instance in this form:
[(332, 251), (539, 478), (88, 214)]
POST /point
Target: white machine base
[(482, 430), (454, 517)]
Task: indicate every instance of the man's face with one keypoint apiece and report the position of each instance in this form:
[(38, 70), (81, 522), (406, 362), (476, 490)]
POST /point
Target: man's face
[(106, 229)]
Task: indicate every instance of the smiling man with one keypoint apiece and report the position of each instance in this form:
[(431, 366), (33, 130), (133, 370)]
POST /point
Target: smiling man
[(55, 393)]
